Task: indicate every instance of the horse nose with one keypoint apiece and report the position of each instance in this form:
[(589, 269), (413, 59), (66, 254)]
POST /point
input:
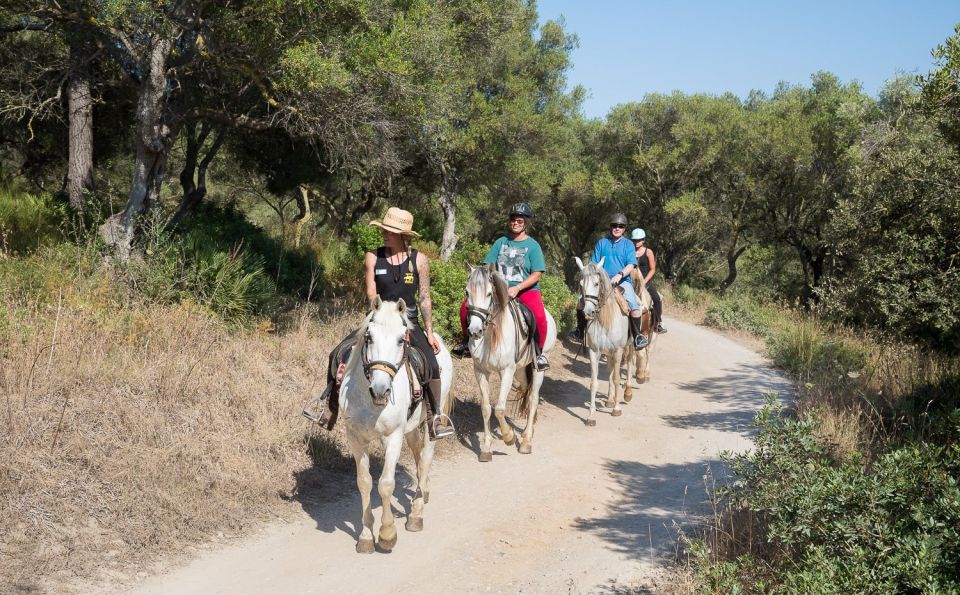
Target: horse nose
[(380, 397)]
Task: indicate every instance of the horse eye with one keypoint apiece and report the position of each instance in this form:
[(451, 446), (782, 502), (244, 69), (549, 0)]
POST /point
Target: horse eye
[(400, 341)]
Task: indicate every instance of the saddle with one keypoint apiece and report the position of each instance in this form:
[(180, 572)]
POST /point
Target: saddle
[(526, 324)]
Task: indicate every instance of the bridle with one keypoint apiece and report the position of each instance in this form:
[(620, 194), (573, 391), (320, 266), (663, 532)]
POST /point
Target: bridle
[(369, 366), (594, 299), (484, 314)]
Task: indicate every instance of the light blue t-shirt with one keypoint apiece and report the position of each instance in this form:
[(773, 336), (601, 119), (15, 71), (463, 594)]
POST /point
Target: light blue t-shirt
[(616, 255), (516, 260)]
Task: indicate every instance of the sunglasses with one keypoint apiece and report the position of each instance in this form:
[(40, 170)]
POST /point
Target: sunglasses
[(618, 226)]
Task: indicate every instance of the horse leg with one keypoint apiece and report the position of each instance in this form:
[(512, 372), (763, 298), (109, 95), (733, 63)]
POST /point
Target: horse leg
[(594, 381), (423, 455), (364, 484), (526, 439), (486, 445), (632, 358), (613, 392), (392, 445), (506, 383)]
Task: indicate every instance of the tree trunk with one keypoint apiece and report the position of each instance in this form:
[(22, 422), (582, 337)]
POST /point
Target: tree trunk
[(155, 135), (448, 202), (80, 118), (193, 176), (304, 214), (732, 255)]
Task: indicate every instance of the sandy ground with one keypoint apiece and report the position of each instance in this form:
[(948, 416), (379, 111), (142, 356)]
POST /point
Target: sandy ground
[(592, 510)]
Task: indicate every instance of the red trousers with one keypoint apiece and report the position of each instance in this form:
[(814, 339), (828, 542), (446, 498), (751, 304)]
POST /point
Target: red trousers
[(530, 298)]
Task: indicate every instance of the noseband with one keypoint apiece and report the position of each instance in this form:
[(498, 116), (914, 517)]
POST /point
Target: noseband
[(484, 314), (594, 299)]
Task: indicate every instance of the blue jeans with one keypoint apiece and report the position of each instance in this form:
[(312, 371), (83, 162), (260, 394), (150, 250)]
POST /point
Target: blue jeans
[(630, 294)]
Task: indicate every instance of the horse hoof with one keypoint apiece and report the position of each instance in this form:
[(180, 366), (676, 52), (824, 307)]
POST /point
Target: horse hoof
[(414, 524), (510, 441), (590, 422), (525, 449), (616, 412), (486, 457), (426, 497), (627, 397), (365, 546), (385, 546)]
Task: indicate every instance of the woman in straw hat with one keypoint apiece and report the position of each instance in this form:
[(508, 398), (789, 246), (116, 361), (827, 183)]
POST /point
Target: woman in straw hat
[(396, 271)]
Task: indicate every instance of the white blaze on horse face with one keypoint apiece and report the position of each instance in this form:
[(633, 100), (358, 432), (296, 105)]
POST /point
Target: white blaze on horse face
[(589, 285), (386, 335), (480, 298)]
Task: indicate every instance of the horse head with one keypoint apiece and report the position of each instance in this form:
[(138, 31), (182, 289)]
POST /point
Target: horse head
[(486, 296), (594, 286), (385, 341)]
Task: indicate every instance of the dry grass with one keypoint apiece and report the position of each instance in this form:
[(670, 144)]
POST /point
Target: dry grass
[(131, 432)]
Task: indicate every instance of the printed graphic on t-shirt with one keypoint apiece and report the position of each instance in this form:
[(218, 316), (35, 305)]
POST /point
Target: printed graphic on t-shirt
[(511, 261)]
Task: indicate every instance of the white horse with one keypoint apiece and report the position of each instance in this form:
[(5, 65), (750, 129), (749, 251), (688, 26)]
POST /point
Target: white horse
[(375, 401), (642, 358), (493, 347), (608, 332)]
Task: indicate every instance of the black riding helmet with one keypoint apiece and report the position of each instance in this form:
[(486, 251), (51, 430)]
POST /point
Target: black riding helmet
[(522, 209), (618, 219)]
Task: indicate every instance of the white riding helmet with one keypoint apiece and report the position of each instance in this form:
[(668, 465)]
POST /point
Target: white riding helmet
[(638, 234)]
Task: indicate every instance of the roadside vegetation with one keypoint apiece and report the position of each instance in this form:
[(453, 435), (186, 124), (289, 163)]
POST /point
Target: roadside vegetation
[(185, 192)]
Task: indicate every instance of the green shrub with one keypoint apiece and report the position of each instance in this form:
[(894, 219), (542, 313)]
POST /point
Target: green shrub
[(448, 282), (732, 313), (846, 527), (28, 221), (805, 351), (560, 302), (685, 294)]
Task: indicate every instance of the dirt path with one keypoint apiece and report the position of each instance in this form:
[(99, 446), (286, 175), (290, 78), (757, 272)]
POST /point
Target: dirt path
[(591, 510)]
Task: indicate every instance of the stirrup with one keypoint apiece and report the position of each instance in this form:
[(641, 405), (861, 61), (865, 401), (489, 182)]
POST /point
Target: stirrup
[(541, 363), (640, 341), (316, 410), (441, 429), (660, 329)]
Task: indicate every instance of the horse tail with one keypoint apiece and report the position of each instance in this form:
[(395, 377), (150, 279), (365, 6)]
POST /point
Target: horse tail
[(523, 384)]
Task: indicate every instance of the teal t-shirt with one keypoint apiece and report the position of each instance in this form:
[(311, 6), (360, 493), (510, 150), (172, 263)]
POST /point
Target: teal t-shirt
[(516, 260)]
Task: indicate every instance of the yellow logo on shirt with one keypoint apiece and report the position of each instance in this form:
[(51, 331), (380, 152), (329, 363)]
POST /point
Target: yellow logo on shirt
[(408, 279)]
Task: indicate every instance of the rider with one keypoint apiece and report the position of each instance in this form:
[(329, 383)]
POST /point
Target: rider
[(395, 271), (519, 259), (647, 263), (619, 259)]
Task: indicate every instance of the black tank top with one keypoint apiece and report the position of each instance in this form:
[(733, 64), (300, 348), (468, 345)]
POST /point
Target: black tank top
[(643, 263), (398, 281)]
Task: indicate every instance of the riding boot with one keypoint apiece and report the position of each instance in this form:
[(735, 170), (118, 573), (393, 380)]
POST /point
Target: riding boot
[(462, 350), (636, 331), (440, 424), (540, 361)]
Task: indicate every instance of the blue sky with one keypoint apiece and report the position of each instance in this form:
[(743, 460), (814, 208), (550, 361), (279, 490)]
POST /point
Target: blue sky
[(631, 48)]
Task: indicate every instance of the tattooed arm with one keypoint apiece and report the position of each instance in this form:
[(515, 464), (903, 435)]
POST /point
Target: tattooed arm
[(426, 304)]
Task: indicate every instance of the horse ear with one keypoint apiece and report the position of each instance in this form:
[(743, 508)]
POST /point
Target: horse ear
[(376, 302), (402, 306), (492, 268), (579, 262), (468, 267), (600, 264)]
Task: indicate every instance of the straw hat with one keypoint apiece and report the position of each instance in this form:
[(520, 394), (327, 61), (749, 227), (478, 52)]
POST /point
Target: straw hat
[(397, 221)]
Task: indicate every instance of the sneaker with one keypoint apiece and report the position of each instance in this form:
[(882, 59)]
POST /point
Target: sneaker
[(660, 329), (541, 363), (442, 427), (640, 341), (575, 336), (461, 351)]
